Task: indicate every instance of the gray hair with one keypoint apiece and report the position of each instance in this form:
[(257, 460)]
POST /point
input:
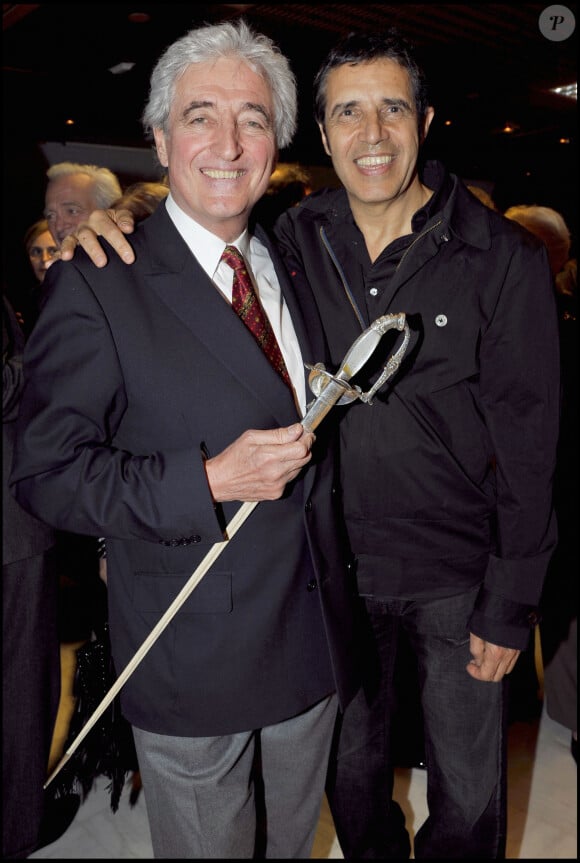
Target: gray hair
[(107, 187), (221, 40)]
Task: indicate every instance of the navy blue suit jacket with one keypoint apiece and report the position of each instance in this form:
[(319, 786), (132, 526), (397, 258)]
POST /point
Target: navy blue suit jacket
[(133, 372)]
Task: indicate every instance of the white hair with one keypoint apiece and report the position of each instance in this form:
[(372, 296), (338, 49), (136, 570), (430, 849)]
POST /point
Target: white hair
[(221, 40), (107, 187)]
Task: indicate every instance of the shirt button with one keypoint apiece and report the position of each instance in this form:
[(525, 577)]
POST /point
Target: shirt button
[(441, 320), (373, 292), (311, 585)]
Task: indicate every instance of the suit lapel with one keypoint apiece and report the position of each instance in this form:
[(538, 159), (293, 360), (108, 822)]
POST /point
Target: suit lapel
[(181, 283), (310, 339)]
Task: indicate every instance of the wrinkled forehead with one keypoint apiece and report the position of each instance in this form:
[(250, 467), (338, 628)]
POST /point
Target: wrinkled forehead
[(222, 81), (71, 187), (369, 81)]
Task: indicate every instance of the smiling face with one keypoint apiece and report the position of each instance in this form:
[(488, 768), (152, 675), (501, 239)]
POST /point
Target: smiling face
[(220, 146), (371, 131)]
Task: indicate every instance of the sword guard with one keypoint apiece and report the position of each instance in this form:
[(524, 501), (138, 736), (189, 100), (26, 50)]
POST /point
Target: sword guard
[(319, 378)]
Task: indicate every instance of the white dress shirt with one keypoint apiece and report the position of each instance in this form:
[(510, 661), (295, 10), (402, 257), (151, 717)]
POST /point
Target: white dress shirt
[(208, 250)]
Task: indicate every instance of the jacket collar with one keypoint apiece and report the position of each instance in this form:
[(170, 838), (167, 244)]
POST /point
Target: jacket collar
[(465, 216), (172, 271), (453, 205)]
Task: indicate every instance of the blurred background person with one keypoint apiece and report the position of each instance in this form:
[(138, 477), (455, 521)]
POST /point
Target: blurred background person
[(41, 251), (40, 247), (482, 196), (30, 643), (549, 225), (73, 191), (289, 184), (142, 198), (559, 624)]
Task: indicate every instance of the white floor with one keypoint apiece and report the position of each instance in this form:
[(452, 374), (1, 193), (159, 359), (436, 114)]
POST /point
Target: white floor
[(542, 824)]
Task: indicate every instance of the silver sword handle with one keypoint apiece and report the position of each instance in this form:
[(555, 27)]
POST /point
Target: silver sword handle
[(362, 349), (333, 389)]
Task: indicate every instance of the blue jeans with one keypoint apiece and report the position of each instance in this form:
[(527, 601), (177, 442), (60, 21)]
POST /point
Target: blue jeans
[(465, 730)]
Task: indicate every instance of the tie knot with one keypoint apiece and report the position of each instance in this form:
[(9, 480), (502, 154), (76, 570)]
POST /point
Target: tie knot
[(233, 258)]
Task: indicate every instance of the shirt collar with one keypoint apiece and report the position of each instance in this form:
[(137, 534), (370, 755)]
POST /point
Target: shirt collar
[(206, 247)]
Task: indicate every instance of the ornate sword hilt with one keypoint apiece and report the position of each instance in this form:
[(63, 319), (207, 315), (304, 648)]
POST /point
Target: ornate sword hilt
[(335, 389)]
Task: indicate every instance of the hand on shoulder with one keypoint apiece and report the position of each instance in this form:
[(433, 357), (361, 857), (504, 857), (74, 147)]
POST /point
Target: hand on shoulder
[(112, 225)]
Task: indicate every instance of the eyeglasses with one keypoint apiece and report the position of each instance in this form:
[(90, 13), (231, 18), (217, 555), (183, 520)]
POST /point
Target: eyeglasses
[(40, 252)]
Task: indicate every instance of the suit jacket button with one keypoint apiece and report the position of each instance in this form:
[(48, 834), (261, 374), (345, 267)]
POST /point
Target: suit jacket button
[(308, 505), (311, 585)]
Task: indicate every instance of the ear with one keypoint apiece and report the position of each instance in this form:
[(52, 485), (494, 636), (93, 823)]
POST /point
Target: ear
[(324, 140), (159, 136), (429, 114)]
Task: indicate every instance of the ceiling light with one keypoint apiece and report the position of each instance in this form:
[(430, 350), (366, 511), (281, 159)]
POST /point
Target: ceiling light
[(120, 68), (139, 17), (569, 90)]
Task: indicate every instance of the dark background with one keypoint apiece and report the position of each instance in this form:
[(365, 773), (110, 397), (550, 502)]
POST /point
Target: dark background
[(488, 64)]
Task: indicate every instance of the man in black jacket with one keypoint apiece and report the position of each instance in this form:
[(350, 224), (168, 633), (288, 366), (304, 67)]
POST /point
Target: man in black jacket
[(447, 481)]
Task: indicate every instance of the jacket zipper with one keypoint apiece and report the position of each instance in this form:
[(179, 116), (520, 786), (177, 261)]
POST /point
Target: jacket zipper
[(345, 285), (347, 290), (416, 240)]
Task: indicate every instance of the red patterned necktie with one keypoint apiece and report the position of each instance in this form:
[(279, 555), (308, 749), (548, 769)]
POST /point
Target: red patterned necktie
[(247, 305)]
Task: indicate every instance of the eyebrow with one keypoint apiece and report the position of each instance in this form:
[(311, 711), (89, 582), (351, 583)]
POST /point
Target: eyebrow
[(66, 204), (194, 106), (247, 106), (353, 103)]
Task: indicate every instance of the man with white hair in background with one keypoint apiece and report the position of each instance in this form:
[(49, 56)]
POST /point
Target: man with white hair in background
[(73, 191)]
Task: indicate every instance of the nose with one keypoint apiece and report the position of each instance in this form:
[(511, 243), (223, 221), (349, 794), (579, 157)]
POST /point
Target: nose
[(228, 142), (373, 130), (63, 226)]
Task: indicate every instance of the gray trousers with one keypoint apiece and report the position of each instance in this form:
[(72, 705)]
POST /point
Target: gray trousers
[(255, 794)]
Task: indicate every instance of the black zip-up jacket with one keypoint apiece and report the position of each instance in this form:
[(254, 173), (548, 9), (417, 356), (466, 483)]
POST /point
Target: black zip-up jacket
[(447, 477)]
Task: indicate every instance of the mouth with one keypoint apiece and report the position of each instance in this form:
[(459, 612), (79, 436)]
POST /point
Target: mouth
[(215, 174), (373, 161)]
